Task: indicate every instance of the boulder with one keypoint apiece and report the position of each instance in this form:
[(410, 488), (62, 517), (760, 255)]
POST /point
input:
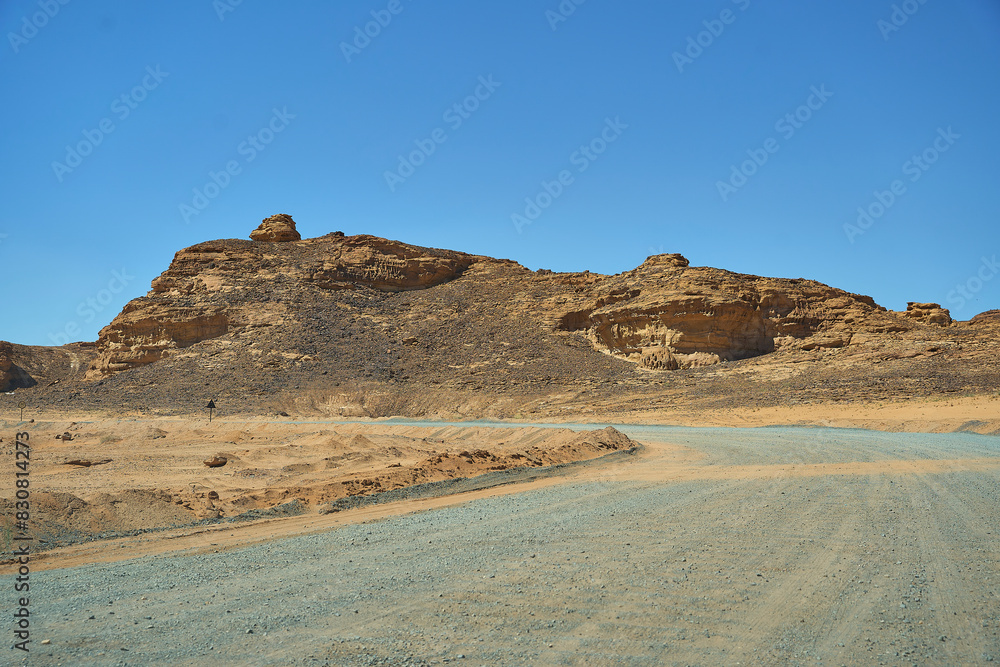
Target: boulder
[(278, 228), (928, 313), (672, 259)]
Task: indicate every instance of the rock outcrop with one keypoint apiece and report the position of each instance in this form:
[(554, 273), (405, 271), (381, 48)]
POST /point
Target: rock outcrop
[(144, 332), (369, 303), (987, 317), (218, 286), (388, 266), (666, 315), (278, 228), (928, 313)]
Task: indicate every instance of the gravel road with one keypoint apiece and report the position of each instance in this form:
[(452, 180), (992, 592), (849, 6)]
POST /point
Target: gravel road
[(777, 546)]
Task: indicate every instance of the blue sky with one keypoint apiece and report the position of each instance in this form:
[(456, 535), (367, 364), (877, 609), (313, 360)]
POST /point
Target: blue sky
[(583, 139)]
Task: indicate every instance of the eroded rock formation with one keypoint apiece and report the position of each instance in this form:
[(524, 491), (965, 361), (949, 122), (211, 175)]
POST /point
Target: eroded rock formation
[(278, 228), (928, 313), (373, 304), (666, 315), (218, 286), (987, 317)]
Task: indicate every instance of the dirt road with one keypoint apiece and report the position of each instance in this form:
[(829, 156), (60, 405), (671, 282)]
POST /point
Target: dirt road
[(778, 546)]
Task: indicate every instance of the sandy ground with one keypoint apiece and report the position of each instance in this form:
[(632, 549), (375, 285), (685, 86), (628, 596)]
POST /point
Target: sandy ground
[(108, 477), (707, 546), (149, 473), (780, 546)]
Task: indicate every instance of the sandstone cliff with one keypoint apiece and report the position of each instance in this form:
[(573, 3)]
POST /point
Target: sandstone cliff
[(666, 314), (929, 313), (218, 286)]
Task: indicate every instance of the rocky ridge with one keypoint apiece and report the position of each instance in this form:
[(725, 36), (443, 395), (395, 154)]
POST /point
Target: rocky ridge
[(361, 325)]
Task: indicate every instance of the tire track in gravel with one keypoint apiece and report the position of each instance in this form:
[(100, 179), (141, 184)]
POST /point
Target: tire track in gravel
[(965, 591)]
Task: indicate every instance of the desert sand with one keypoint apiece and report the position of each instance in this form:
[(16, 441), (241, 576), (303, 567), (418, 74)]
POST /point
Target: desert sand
[(102, 478), (767, 546), (118, 477)]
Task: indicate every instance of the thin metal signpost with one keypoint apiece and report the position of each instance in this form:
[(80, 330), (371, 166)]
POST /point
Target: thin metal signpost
[(210, 406), (22, 406)]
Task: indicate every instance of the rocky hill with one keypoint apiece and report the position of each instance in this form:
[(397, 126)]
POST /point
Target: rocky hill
[(361, 325)]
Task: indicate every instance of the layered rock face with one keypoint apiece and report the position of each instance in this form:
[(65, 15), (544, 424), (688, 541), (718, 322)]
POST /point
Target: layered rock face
[(215, 287), (987, 317), (276, 229), (928, 313), (143, 332), (388, 266), (666, 315)]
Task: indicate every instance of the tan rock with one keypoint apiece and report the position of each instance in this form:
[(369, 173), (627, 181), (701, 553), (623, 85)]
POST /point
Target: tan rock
[(987, 317), (142, 333), (215, 287), (236, 304), (667, 259), (928, 313), (659, 359), (386, 265), (278, 228), (666, 314)]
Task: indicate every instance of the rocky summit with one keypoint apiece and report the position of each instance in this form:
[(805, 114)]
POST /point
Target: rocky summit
[(366, 326)]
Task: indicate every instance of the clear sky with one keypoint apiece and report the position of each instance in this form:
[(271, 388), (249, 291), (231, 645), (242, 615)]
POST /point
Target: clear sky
[(745, 135)]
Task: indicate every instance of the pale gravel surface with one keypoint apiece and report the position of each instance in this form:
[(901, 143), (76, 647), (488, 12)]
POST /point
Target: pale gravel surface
[(638, 567)]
